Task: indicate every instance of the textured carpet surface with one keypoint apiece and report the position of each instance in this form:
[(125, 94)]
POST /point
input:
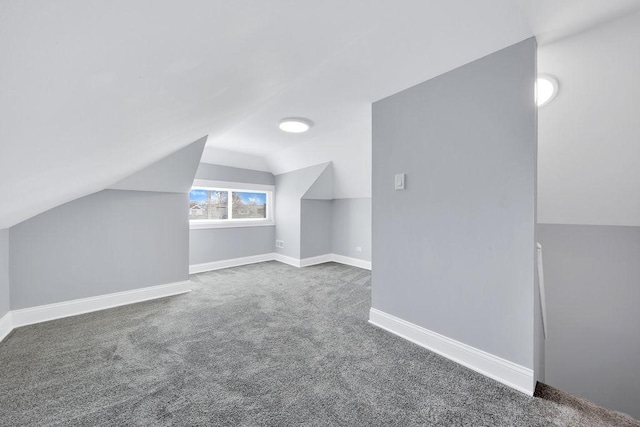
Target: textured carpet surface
[(265, 344)]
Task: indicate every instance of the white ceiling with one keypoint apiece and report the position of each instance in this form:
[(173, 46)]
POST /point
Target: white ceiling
[(93, 91), (552, 20), (589, 136)]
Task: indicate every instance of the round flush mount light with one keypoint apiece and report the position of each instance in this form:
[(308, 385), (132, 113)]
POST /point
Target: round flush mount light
[(295, 125), (546, 89)]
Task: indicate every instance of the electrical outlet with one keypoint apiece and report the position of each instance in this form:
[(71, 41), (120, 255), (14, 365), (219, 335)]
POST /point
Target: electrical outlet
[(358, 248), (280, 244)]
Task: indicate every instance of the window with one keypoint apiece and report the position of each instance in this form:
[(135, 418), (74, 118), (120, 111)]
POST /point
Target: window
[(248, 205), (218, 204), (208, 203)]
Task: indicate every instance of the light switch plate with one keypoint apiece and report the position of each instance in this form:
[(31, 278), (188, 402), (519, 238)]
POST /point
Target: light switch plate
[(399, 181)]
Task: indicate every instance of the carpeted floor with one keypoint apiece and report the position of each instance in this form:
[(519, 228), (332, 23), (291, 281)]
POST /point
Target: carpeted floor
[(265, 344)]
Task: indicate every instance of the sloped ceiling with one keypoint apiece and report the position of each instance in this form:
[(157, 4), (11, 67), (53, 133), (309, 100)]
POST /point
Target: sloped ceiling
[(173, 174), (322, 188), (92, 91)]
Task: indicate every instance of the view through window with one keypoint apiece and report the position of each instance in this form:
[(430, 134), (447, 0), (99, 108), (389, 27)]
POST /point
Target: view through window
[(222, 204)]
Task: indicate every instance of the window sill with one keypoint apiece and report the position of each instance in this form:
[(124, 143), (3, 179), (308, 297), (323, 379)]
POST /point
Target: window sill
[(229, 224)]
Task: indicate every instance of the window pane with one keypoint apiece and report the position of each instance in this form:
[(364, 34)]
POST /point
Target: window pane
[(208, 204), (249, 205), (197, 204)]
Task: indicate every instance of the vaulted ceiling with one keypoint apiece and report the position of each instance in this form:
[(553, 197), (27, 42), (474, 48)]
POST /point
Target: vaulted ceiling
[(92, 91)]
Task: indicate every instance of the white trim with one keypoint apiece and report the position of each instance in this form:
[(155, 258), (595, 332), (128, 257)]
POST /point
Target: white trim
[(320, 259), (227, 185), (305, 262), (354, 262), (235, 262), (286, 259), (497, 368), (43, 313), (541, 291), (230, 187), (229, 223), (6, 326), (341, 259)]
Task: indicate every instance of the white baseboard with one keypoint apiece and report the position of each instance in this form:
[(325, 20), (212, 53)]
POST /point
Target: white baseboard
[(286, 259), (354, 262), (227, 263), (43, 313), (321, 259), (497, 368), (6, 326), (304, 262), (340, 259)]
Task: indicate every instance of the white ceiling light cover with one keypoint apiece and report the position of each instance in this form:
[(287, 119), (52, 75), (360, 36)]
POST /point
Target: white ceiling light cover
[(295, 125), (546, 89)]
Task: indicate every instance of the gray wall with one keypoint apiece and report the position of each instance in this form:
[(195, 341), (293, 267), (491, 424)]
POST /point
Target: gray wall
[(322, 186), (315, 227), (592, 280), (107, 242), (454, 252), (290, 187), (4, 273), (172, 174), (217, 244), (351, 227), (308, 226)]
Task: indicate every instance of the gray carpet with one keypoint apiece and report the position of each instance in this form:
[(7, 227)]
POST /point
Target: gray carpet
[(265, 344)]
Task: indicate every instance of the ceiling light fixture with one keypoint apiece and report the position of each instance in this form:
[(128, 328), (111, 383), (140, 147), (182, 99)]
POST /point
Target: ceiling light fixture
[(546, 89), (295, 125)]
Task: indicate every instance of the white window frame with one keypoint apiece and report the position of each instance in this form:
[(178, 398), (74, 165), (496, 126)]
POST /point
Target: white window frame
[(204, 184)]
